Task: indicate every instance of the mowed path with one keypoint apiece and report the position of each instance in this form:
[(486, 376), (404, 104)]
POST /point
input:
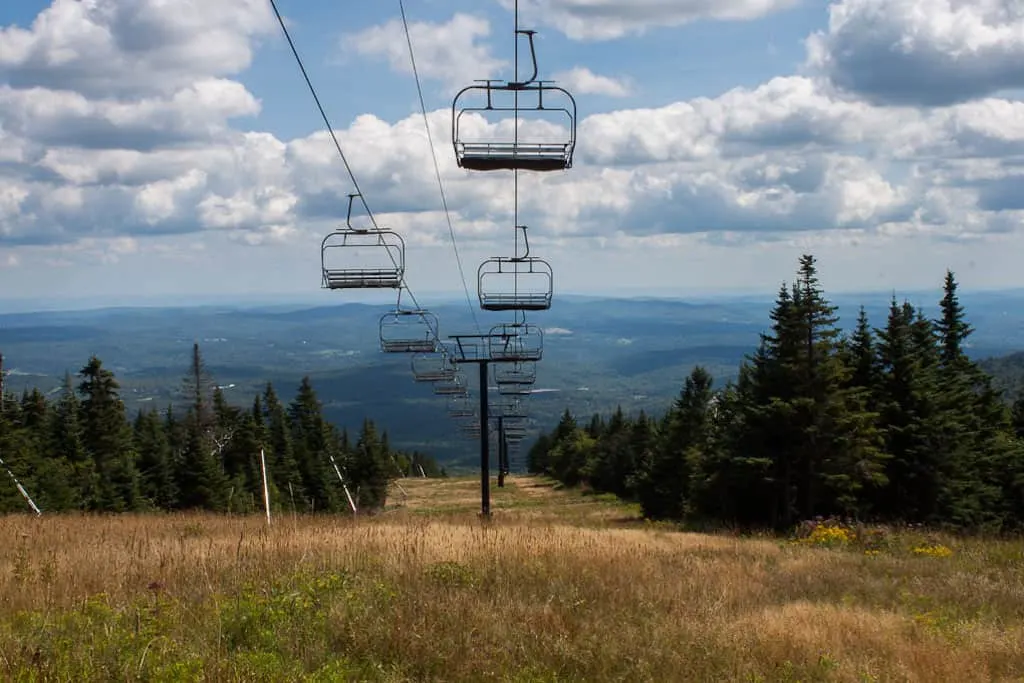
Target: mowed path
[(524, 497)]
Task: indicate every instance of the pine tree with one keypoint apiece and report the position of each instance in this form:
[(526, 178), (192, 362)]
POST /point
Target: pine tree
[(907, 404), (862, 359), (314, 444), (156, 461), (975, 423), (108, 439), (370, 469), (952, 326), (202, 483), (197, 389), (66, 443), (281, 464), (664, 483)]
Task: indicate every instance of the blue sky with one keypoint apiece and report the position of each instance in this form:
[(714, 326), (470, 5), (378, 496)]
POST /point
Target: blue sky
[(153, 150)]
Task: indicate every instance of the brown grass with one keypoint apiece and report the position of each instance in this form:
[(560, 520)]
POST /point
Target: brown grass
[(557, 586)]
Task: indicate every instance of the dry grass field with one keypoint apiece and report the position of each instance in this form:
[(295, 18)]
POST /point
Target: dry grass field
[(558, 586)]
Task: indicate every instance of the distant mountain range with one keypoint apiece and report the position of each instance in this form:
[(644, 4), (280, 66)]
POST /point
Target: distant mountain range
[(598, 353)]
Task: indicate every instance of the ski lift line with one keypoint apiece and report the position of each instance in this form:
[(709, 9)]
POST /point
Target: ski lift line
[(437, 167), (515, 129), (334, 136)]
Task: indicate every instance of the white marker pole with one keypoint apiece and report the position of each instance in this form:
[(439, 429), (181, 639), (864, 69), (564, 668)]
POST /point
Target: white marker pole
[(21, 488), (266, 490), (351, 503)]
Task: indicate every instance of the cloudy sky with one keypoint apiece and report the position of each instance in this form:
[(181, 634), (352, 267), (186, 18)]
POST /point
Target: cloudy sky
[(159, 148)]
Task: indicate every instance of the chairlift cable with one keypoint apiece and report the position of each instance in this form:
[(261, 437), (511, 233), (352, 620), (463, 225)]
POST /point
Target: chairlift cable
[(515, 132), (337, 145), (437, 168)]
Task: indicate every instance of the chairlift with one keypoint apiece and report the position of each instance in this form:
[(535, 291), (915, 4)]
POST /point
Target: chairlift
[(520, 372), (520, 341), (512, 411), (362, 258), (455, 386), (434, 367), (531, 154), (515, 431), (515, 283), (515, 389), (408, 331), (461, 407), (508, 408)]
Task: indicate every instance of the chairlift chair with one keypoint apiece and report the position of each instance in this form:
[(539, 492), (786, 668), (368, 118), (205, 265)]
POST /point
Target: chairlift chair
[(515, 283), (515, 431), (434, 367), (511, 410), (520, 372), (461, 407), (455, 386), (519, 341), (408, 331), (362, 258), (515, 389), (524, 154)]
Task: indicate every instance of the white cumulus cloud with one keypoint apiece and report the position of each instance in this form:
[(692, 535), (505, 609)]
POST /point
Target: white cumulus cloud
[(609, 19), (921, 52), (582, 81), (451, 52)]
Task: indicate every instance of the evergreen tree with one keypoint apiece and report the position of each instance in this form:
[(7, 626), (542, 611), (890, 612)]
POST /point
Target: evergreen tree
[(314, 444), (202, 483), (107, 438), (197, 389), (66, 442), (156, 461), (664, 483), (907, 403), (281, 464), (370, 469)]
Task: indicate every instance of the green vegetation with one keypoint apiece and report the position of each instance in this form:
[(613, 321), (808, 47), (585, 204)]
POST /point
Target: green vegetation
[(559, 586), (894, 424), (80, 452)]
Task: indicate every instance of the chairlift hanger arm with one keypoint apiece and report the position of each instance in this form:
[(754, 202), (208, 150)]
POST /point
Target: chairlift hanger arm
[(519, 85), (348, 216), (526, 242)]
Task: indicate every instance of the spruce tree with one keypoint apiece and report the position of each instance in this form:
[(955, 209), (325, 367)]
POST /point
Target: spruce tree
[(280, 454), (370, 469), (909, 412), (664, 484), (314, 444), (107, 438), (156, 461), (202, 483), (66, 441)]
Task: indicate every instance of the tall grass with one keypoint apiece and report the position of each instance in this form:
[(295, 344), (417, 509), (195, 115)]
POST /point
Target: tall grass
[(557, 587)]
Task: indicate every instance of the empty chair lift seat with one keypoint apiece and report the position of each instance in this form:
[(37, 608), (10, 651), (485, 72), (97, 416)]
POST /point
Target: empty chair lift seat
[(529, 103), (408, 332), (498, 156), (520, 283), (355, 259)]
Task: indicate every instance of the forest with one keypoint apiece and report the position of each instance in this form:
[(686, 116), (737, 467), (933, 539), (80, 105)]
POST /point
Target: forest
[(893, 424), (83, 452)]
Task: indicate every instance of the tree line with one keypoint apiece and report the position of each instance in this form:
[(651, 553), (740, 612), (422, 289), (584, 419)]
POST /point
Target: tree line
[(82, 451), (893, 424)]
